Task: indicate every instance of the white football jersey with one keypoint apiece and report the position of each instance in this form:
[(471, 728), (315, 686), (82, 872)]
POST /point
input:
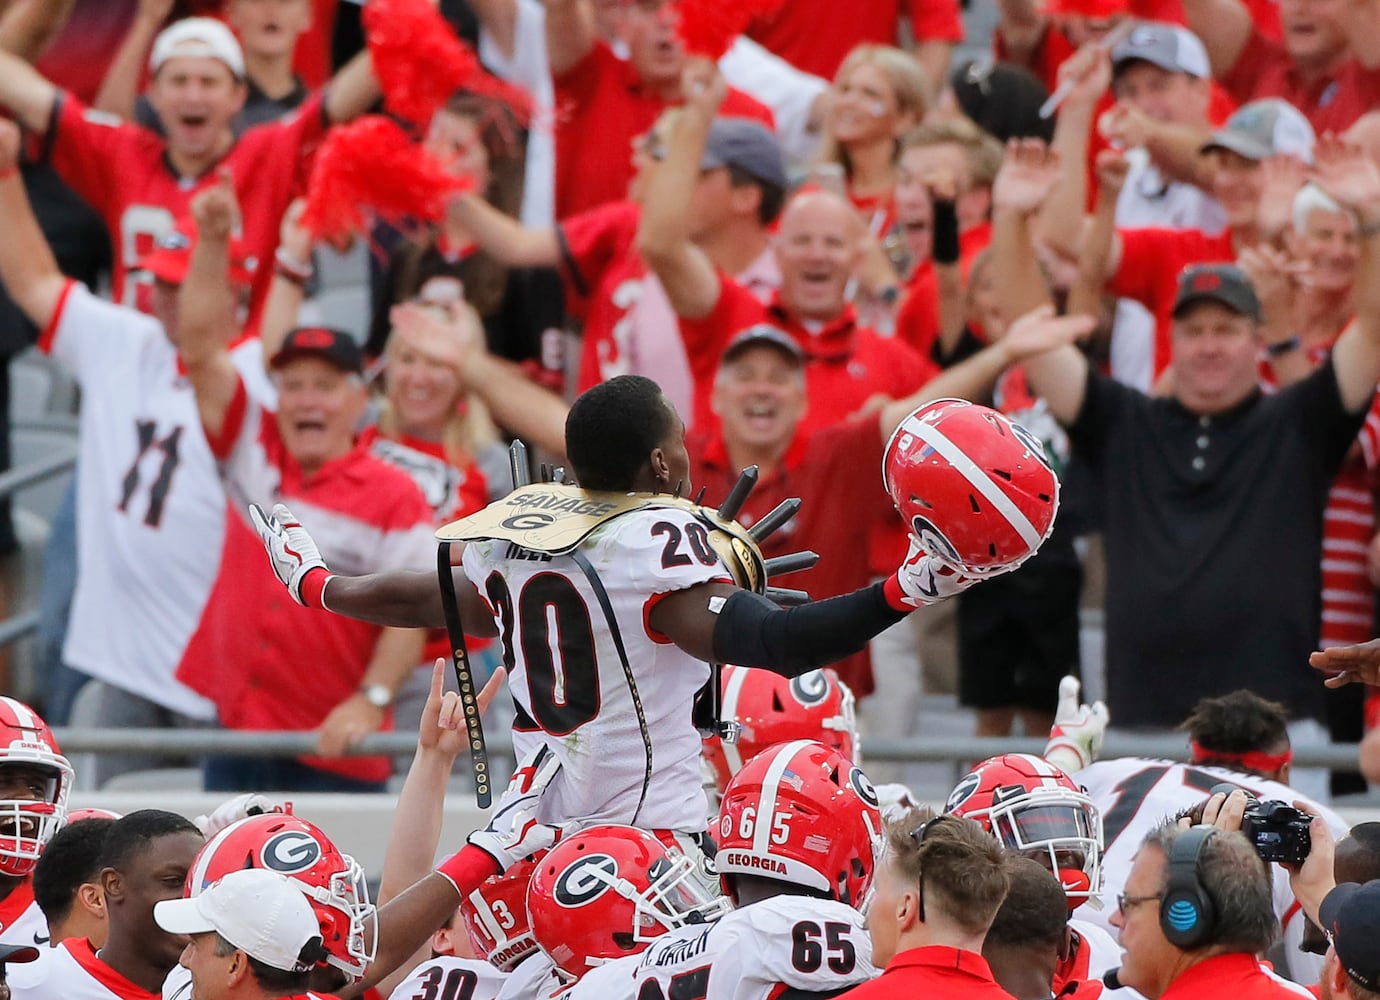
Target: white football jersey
[(535, 978), (614, 980), (1138, 794), (1098, 951), (150, 507), (813, 945), (71, 971), (449, 978), (570, 680), (21, 921)]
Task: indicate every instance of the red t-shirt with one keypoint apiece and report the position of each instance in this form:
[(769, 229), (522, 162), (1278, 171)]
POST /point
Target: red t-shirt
[(932, 971), (1236, 975), (831, 470), (267, 662), (1151, 261), (1331, 102), (816, 35), (917, 321), (601, 107), (846, 365), (122, 170), (603, 275)]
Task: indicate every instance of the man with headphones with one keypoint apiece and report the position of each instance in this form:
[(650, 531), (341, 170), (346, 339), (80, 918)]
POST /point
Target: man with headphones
[(1195, 915)]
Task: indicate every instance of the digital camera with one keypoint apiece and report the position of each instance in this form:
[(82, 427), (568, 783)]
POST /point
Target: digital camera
[(1278, 831)]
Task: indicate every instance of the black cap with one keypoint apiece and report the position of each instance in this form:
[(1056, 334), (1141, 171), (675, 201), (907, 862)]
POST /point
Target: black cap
[(770, 336), (333, 346), (1350, 916), (1224, 283), (1002, 100), (19, 953)]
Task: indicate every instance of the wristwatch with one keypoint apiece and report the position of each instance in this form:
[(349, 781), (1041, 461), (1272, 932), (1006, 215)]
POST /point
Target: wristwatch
[(1283, 347), (377, 695)]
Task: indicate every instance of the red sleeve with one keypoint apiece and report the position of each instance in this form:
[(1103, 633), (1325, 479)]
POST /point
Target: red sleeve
[(590, 242), (935, 20), (706, 338), (230, 427), (89, 149), (1145, 253), (1259, 52), (739, 105), (917, 321)]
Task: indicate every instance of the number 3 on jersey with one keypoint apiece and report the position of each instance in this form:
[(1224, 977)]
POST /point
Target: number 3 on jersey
[(551, 622)]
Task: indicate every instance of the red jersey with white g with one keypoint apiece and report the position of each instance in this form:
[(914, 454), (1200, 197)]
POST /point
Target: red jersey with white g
[(567, 676), (71, 971), (449, 978), (123, 172), (150, 508), (1135, 795), (811, 945), (21, 921)]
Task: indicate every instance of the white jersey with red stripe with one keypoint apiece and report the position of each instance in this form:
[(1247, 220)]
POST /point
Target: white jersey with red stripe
[(614, 980), (612, 696), (798, 942), (71, 971), (150, 507), (178, 986), (1135, 795), (21, 921), (447, 977), (535, 978)]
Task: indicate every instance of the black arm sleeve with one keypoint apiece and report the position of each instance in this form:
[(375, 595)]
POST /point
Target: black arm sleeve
[(751, 631)]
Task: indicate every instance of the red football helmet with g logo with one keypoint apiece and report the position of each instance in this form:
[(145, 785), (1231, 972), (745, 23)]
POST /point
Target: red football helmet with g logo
[(27, 824), (773, 709), (1036, 810), (495, 916), (608, 891), (332, 881), (801, 813), (973, 486)]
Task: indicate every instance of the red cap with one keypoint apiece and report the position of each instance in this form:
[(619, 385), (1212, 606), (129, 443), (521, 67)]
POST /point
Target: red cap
[(172, 255), (1098, 10)]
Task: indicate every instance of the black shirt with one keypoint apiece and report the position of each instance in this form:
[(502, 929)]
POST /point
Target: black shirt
[(1213, 532)]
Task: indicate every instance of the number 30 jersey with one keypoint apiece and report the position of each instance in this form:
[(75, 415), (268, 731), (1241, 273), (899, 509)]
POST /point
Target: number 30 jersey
[(612, 696), (1135, 795), (804, 944), (449, 978)]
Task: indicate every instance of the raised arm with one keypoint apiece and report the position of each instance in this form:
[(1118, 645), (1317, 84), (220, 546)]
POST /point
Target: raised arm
[(503, 236), (1062, 214), (1224, 27), (120, 88), (27, 94), (353, 90), (1353, 181), (1059, 375), (28, 269), (28, 27), (570, 33), (206, 306), (663, 236), (499, 19), (292, 269)]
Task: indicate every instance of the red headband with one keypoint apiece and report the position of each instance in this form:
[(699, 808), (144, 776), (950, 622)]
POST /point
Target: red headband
[(1253, 760)]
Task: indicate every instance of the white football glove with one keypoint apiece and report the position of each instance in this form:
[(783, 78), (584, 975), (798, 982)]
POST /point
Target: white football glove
[(235, 809), (926, 579), (291, 550), (514, 832), (1075, 739)]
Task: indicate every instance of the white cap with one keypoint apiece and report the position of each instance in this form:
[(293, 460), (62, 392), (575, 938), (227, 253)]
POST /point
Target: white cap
[(1171, 47), (1265, 128), (264, 914), (197, 36)]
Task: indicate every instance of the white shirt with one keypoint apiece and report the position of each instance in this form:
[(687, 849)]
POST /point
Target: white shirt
[(150, 508), (814, 945), (569, 679), (535, 977), (69, 972), (1137, 795), (449, 978), (28, 927)]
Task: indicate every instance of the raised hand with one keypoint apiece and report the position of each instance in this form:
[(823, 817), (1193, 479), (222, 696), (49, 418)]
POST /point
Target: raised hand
[(1075, 739), (702, 85), (1284, 176), (1040, 330), (925, 579), (514, 832), (1348, 175), (216, 210), (1349, 664), (1087, 73), (1027, 176), (291, 550), (1111, 168), (1275, 277)]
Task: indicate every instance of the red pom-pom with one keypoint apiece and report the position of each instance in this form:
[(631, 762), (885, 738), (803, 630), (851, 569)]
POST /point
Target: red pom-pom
[(420, 62), (370, 165), (708, 27)]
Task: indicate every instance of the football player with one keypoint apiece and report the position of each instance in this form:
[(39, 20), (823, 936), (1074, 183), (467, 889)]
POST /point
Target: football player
[(457, 967), (798, 833), (1238, 738), (35, 781), (1036, 811), (1029, 942)]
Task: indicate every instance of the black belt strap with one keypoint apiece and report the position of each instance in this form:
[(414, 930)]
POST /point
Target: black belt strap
[(464, 677), (602, 596)]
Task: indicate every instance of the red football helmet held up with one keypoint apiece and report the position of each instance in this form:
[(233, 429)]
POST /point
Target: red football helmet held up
[(772, 709), (608, 891), (1036, 810), (27, 824), (332, 881), (974, 487), (495, 916), (801, 813)]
